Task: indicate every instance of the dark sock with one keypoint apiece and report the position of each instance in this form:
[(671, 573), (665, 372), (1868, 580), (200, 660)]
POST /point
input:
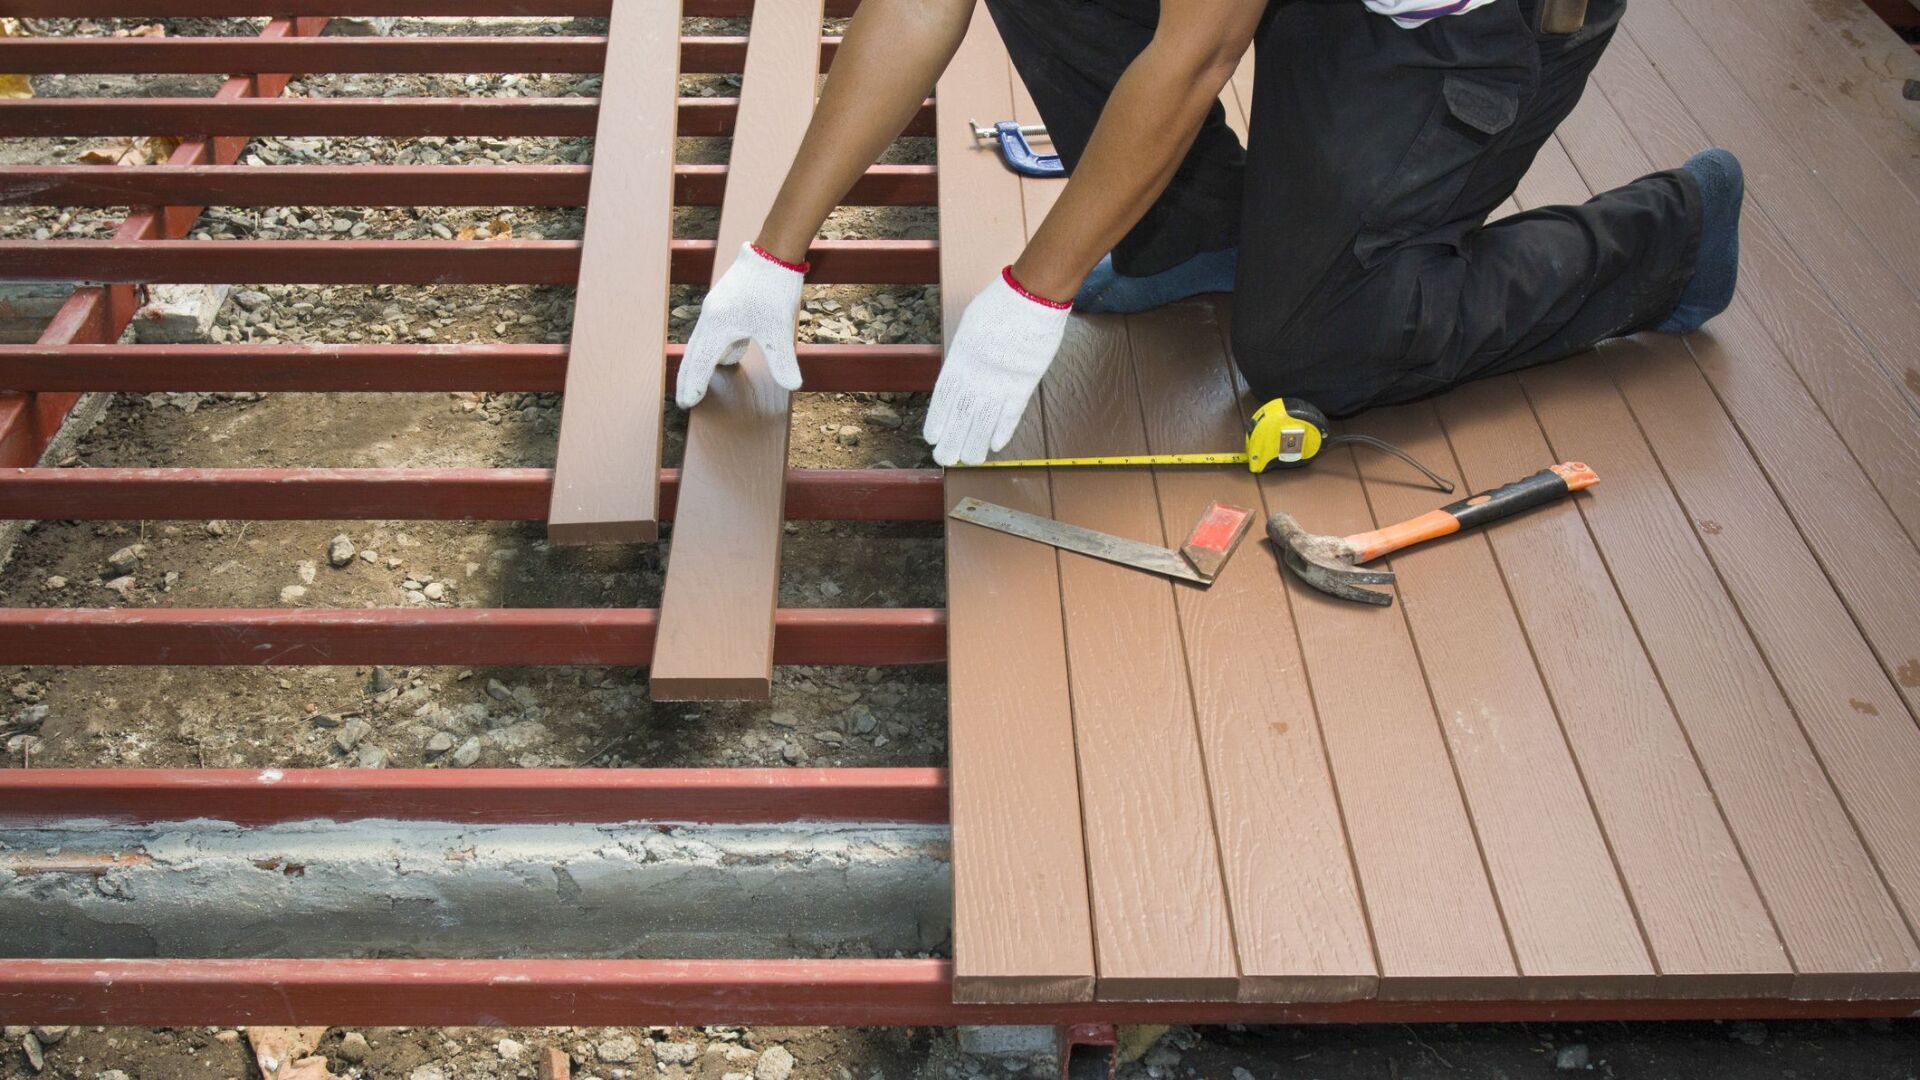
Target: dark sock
[(1717, 268), (1110, 291)]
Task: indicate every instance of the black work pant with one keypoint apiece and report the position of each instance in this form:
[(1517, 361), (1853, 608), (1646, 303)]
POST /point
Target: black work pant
[(1367, 272)]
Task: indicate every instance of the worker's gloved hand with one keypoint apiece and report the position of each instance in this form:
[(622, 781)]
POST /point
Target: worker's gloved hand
[(1007, 337), (754, 301)]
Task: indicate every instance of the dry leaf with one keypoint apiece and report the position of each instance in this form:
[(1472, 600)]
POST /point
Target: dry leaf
[(14, 86), (149, 30), (497, 229), (142, 151)]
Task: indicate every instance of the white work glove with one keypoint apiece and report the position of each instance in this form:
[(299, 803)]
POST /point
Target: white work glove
[(755, 300), (1007, 337)]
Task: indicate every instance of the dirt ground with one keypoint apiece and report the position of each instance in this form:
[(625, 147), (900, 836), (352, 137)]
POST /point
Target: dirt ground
[(587, 717)]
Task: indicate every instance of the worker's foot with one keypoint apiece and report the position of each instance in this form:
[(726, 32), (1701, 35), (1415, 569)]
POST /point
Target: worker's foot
[(1108, 290), (1722, 190)]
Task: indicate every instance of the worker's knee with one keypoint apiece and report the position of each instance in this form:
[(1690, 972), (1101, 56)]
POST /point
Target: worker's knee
[(1302, 360)]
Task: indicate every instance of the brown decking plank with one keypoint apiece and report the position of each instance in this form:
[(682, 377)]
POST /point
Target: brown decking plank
[(1238, 97), (1565, 908), (1437, 930), (606, 483), (1841, 929), (1869, 96), (1823, 890), (723, 573), (1827, 487), (1161, 928), (1834, 199), (1022, 930), (1839, 371), (1709, 931), (1299, 929), (1849, 707)]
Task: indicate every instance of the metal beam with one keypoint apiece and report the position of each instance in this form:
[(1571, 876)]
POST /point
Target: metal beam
[(487, 796), (360, 368), (282, 637), (418, 262)]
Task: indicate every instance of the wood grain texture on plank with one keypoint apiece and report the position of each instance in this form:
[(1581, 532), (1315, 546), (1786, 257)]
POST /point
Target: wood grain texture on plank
[(1840, 927), (723, 572), (1437, 929), (1299, 930), (1161, 926), (1841, 375), (1846, 215), (1833, 482), (1565, 908), (606, 486), (1022, 931), (1868, 94), (1708, 928)]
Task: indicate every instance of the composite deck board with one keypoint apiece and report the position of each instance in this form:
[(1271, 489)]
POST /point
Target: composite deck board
[(1841, 374), (1437, 929), (1143, 784), (723, 571), (1833, 198), (1022, 929), (1565, 907), (1870, 98), (1654, 742), (1839, 926), (1708, 928), (1743, 511), (1300, 932), (606, 480), (1826, 481)]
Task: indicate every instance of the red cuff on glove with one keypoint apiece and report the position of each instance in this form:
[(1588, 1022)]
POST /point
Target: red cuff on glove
[(1014, 284), (798, 268)]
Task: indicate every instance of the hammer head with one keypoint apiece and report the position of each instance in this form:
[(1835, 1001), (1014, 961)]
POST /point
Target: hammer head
[(1326, 562)]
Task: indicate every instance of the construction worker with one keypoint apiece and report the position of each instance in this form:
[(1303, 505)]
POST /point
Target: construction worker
[(1351, 229)]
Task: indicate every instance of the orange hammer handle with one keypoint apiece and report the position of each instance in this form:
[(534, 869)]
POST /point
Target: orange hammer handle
[(1543, 487)]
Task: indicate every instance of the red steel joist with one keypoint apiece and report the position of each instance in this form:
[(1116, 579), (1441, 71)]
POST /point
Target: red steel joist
[(481, 796), (671, 992), (412, 494)]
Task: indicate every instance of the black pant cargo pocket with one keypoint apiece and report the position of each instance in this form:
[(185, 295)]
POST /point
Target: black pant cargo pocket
[(1474, 110)]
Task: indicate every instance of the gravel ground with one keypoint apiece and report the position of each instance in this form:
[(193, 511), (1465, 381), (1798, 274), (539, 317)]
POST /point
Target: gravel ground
[(453, 717)]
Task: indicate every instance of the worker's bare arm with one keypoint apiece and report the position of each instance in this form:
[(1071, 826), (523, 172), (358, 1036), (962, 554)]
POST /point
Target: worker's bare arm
[(887, 63), (1149, 121)]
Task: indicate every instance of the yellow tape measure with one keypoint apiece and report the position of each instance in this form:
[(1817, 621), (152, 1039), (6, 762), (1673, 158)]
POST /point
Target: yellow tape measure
[(1282, 434)]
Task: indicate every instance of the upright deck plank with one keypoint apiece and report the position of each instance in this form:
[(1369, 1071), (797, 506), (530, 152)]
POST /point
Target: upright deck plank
[(723, 574), (1565, 907), (1437, 929), (1841, 374), (1299, 929), (606, 480), (1708, 928), (1022, 930), (1840, 928), (1163, 934), (1829, 464), (1837, 203)]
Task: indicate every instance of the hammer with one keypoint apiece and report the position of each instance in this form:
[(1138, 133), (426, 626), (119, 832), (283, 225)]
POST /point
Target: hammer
[(1332, 563)]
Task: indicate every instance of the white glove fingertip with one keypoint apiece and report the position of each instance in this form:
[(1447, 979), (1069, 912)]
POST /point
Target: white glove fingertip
[(782, 364), (1009, 423)]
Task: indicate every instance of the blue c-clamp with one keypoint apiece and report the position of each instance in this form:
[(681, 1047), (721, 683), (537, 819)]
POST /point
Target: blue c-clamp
[(1017, 151)]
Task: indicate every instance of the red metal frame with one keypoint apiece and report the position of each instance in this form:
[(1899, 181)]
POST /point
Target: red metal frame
[(672, 992), (413, 494), (394, 185), (54, 117), (283, 637), (485, 796), (327, 368)]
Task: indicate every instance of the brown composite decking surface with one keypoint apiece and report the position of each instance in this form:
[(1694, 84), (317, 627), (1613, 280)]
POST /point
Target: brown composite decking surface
[(1659, 741)]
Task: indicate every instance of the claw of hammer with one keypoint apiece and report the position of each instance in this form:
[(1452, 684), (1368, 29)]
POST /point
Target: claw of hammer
[(1326, 562)]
